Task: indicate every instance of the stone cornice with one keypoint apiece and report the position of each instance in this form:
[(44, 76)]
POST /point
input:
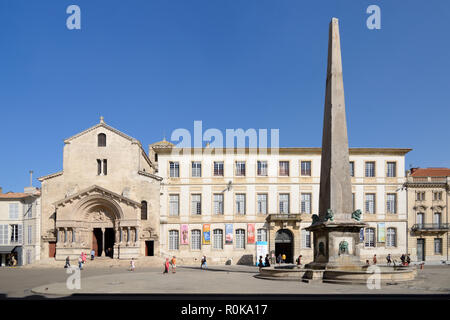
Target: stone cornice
[(49, 176), (150, 175), (100, 190)]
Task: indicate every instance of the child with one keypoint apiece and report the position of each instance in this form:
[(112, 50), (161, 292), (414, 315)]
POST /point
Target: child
[(132, 265)]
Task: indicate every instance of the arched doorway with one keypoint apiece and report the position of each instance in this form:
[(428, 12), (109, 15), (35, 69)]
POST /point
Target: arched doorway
[(284, 244)]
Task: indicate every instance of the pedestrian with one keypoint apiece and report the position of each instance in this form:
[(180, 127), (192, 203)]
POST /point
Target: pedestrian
[(132, 264), (166, 266), (80, 263), (402, 258), (267, 261), (174, 264), (204, 262), (388, 259), (299, 260), (67, 265), (92, 254), (260, 263), (283, 258), (367, 262), (83, 257), (408, 259), (279, 258), (374, 259)]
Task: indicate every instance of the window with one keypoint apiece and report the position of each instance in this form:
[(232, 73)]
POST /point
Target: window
[(369, 239), (240, 203), (144, 210), (391, 203), (352, 168), (217, 239), (3, 234), (174, 240), (218, 203), (437, 219), (305, 203), (370, 203), (284, 203), (370, 169), (101, 140), (262, 168), (420, 196), (174, 169), (174, 205), (284, 168), (29, 211), (261, 235), (13, 211), (437, 196), (306, 239), (196, 204), (391, 169), (419, 218), (196, 169), (240, 168), (16, 233), (196, 240), (391, 237), (437, 246), (262, 203), (102, 167), (306, 168), (218, 169), (240, 239)]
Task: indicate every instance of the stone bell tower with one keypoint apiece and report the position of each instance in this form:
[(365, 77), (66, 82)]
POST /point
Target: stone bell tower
[(336, 229)]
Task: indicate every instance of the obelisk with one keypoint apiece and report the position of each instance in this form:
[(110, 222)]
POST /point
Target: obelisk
[(336, 231)]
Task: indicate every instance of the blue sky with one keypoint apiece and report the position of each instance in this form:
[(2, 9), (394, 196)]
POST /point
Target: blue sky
[(150, 67)]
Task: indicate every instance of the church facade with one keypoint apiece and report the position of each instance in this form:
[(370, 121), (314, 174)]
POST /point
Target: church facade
[(105, 199)]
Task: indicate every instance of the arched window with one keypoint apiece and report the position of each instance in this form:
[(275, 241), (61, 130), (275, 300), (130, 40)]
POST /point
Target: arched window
[(196, 240), (144, 210), (391, 240), (101, 139), (174, 240)]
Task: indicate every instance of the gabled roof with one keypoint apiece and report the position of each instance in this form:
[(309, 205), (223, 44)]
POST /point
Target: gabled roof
[(101, 190)]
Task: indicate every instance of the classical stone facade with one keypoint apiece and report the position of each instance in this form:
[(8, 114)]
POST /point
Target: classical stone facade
[(106, 198), (428, 216)]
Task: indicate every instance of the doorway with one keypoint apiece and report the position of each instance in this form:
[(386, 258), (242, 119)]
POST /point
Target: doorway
[(420, 249), (149, 249), (284, 244), (97, 241), (51, 249), (109, 242)]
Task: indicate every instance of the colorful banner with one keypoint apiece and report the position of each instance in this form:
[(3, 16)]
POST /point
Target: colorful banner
[(381, 232), (184, 234), (228, 233), (262, 249), (251, 233), (206, 234)]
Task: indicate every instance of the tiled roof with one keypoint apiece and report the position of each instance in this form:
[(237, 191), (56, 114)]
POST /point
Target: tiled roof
[(17, 195), (430, 172)]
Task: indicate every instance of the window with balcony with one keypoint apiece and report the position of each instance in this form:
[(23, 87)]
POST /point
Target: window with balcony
[(284, 203)]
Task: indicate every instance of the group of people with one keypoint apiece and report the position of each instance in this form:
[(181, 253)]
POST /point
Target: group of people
[(172, 262), (81, 261)]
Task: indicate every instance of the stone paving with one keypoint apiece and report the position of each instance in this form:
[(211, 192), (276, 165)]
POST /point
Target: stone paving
[(51, 282)]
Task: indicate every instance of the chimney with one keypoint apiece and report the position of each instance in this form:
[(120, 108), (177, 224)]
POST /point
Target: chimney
[(1, 190)]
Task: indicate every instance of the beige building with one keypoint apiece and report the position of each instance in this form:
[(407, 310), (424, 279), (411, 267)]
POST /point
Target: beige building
[(237, 205), (106, 198), (428, 223), (20, 226)]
